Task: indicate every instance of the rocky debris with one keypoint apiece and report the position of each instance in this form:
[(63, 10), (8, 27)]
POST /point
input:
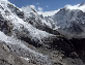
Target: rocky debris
[(7, 57), (21, 57), (10, 57)]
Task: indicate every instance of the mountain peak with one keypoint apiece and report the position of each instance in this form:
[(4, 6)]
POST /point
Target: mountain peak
[(76, 7), (81, 4)]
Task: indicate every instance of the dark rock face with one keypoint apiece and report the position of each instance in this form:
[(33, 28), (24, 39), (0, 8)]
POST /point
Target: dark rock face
[(47, 29), (79, 45), (16, 11), (5, 26)]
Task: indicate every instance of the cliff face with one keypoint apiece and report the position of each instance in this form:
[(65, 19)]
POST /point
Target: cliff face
[(27, 38)]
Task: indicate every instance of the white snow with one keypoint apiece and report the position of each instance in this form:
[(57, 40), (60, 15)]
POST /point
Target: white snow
[(3, 1), (62, 20), (11, 40), (48, 13), (27, 59), (18, 23), (14, 41), (39, 10), (76, 7), (28, 9), (69, 15)]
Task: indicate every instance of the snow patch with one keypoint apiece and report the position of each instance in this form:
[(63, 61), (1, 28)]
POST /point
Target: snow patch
[(27, 59)]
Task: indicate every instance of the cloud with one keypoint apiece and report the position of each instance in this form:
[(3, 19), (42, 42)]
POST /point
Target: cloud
[(29, 8), (32, 6), (48, 13), (40, 9), (74, 7)]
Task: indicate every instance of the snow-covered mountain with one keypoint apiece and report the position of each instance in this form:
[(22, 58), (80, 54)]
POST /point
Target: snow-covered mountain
[(28, 38), (71, 20), (19, 23), (18, 29)]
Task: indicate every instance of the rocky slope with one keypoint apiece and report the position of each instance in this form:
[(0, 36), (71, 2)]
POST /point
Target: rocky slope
[(27, 38)]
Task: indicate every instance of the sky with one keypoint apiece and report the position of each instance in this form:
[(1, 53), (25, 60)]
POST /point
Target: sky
[(46, 5)]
